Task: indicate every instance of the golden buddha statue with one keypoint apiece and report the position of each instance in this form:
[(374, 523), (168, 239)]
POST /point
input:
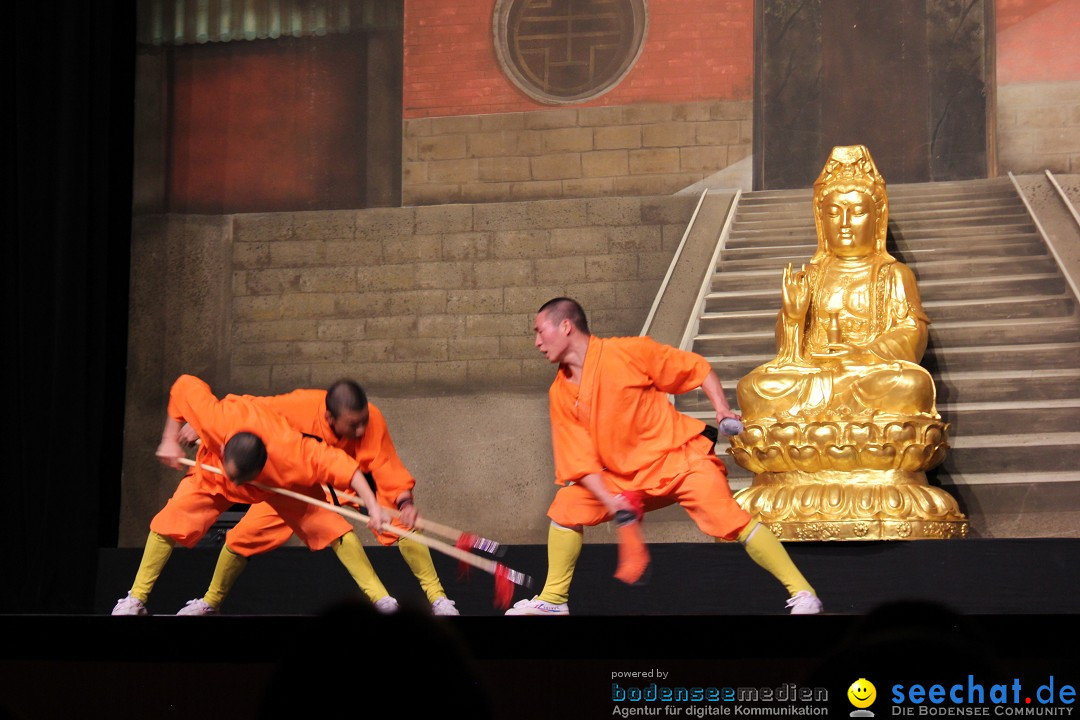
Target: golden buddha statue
[(841, 426)]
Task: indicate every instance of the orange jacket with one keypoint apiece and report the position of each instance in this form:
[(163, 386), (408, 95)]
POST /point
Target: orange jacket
[(305, 410), (292, 459), (619, 418)]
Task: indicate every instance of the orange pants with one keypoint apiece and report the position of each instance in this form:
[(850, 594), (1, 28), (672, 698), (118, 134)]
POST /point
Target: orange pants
[(197, 503), (691, 476), (263, 529)]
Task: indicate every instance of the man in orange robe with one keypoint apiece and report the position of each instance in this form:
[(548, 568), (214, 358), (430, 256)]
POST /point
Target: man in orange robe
[(342, 417), (621, 449), (250, 443)]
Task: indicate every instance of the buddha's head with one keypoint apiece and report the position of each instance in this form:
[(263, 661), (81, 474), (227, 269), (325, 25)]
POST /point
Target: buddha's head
[(851, 209)]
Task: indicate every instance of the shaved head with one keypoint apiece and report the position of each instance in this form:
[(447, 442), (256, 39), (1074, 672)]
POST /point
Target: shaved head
[(345, 396), (245, 456), (564, 308)]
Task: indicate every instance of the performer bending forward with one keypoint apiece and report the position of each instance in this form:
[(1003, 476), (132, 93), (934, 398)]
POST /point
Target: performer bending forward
[(341, 417), (250, 443), (617, 437)]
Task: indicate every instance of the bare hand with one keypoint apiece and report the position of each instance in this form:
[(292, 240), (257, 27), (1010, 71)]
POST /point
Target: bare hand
[(795, 292), (619, 502), (169, 453), (187, 436), (726, 412), (376, 518), (409, 516)]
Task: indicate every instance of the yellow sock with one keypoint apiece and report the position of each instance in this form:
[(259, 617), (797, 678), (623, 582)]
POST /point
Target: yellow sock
[(228, 568), (155, 555), (418, 558), (564, 546), (350, 551), (764, 549)]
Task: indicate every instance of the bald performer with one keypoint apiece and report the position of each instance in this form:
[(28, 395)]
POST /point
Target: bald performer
[(622, 449), (251, 444), (341, 417)]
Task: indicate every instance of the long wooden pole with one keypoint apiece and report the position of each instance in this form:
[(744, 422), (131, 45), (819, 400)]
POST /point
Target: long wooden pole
[(485, 564)]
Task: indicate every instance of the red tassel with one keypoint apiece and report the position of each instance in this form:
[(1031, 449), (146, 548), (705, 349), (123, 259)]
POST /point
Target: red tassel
[(504, 588), (636, 502), (466, 542), (633, 554)]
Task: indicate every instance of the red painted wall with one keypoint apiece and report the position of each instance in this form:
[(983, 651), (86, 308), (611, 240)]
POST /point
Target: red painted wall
[(694, 50), (1010, 12), (267, 125), (1042, 47)]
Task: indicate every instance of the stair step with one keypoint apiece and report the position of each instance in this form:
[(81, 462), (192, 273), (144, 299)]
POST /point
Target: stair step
[(1042, 356), (1050, 452), (918, 239), (992, 478), (1020, 246), (1005, 419), (955, 289), (1004, 308), (898, 206), (995, 454), (953, 389), (926, 271), (945, 216), (994, 464), (944, 334), (924, 265)]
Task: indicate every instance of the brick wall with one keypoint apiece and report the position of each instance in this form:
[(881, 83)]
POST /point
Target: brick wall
[(635, 150), (694, 50), (436, 297), (1040, 48), (683, 112), (1039, 127)]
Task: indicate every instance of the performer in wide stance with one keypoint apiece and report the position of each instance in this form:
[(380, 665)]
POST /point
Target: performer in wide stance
[(342, 417), (622, 449), (250, 443)]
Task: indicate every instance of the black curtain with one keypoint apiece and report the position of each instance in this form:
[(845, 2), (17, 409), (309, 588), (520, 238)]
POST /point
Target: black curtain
[(66, 256)]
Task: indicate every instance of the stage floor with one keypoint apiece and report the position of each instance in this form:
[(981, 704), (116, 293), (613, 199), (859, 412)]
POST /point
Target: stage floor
[(976, 612), (983, 576)]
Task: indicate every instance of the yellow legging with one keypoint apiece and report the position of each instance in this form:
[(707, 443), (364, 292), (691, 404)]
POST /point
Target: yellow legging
[(764, 549), (564, 547), (155, 555), (418, 558), (348, 548)]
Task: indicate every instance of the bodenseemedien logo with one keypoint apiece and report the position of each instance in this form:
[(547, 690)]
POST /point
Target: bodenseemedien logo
[(862, 694)]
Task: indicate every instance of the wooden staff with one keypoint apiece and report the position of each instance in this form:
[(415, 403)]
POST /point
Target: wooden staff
[(460, 537), (475, 542), (485, 564)]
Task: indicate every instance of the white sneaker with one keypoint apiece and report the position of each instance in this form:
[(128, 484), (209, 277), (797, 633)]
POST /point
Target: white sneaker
[(129, 605), (386, 605), (198, 606), (444, 606), (536, 606), (804, 602)]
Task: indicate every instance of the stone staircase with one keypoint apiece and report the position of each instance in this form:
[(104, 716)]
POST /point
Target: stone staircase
[(1004, 344)]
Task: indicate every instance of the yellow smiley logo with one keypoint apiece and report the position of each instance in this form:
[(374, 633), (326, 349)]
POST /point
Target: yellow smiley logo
[(862, 693)]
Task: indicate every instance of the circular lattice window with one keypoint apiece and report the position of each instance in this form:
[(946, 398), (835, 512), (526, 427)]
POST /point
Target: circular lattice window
[(565, 51)]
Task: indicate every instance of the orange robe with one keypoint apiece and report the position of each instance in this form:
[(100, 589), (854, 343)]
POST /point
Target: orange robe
[(262, 529), (619, 422), (293, 461)]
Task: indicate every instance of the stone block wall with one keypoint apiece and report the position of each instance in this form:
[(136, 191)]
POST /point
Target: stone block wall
[(443, 297), (637, 150), (1039, 127)]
